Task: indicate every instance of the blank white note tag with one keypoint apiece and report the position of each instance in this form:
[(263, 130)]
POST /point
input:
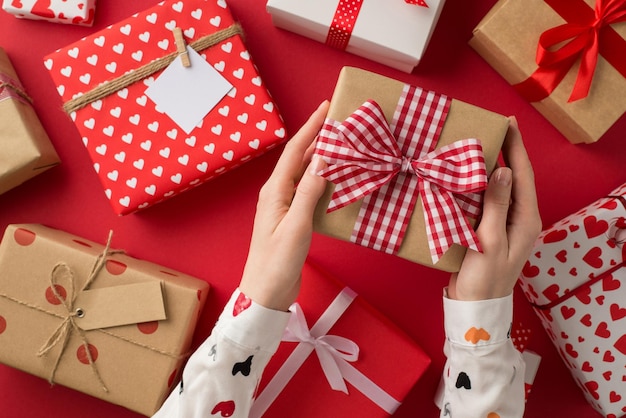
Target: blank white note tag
[(186, 95)]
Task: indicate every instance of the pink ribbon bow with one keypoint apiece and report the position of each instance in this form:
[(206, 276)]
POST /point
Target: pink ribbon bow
[(336, 355), (364, 157), (331, 350)]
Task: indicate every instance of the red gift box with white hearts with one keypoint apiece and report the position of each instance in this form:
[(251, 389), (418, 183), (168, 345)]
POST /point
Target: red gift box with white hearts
[(75, 12), (141, 155), (576, 281), (123, 326), (387, 366)]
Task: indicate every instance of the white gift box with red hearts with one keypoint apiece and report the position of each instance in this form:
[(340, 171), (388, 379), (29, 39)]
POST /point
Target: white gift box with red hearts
[(576, 281), (75, 12), (392, 32), (141, 155)]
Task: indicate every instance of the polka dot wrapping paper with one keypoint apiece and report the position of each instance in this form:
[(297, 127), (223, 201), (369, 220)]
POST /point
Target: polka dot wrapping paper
[(576, 280), (140, 154), (387, 357), (463, 121), (75, 12), (395, 33), (135, 365), (26, 148)]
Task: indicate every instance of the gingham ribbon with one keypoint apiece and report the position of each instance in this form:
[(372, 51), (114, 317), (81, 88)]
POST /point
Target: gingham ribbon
[(12, 89), (335, 354), (344, 19), (388, 166)]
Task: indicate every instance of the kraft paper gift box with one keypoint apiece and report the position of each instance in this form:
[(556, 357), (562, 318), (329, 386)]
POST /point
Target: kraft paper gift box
[(395, 33), (388, 364), (133, 324), (507, 38), (141, 155), (26, 148), (75, 12), (463, 121), (576, 281)]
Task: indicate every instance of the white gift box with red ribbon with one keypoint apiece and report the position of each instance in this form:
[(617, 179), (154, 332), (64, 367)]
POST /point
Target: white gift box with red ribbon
[(392, 32), (75, 12), (576, 281)]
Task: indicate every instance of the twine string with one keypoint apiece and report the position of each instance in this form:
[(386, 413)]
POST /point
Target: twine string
[(15, 86), (61, 335), (132, 76)]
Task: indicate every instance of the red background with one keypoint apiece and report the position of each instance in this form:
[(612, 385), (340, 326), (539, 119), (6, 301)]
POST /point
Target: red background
[(205, 232)]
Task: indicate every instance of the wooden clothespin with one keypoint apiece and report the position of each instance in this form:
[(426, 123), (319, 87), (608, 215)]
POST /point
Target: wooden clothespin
[(181, 47)]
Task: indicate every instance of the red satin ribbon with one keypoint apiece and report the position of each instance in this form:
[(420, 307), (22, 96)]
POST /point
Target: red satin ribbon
[(585, 35), (345, 17)]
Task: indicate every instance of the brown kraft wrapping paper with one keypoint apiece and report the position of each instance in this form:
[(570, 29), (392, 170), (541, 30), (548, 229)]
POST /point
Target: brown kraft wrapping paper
[(507, 39), (353, 88), (25, 148), (138, 363)]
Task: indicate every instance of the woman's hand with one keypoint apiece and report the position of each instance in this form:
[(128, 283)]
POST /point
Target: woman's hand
[(283, 224), (509, 227)]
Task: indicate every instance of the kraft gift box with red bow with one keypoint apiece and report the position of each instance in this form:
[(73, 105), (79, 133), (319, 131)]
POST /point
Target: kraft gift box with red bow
[(26, 148), (347, 361), (392, 32), (406, 168), (576, 281), (566, 57), (141, 155), (91, 318), (75, 12)]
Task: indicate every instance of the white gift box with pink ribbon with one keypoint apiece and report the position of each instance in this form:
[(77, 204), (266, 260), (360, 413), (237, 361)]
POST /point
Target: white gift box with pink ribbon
[(576, 281), (75, 12), (392, 32)]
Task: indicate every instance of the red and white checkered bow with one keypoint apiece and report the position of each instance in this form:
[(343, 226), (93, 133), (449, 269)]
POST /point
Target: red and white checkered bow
[(363, 156)]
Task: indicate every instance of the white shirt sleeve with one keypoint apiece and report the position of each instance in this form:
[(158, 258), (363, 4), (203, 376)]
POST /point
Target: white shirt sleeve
[(484, 373), (222, 375)]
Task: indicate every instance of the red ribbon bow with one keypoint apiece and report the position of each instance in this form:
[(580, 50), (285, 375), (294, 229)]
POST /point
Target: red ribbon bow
[(365, 156), (585, 35)]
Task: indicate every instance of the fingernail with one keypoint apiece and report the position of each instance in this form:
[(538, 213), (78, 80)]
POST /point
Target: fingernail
[(316, 165), (504, 176)]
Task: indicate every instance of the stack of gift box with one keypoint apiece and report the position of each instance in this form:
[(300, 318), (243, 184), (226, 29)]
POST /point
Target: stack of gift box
[(170, 98)]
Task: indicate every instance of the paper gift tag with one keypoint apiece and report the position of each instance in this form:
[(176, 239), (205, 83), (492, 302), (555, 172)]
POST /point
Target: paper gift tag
[(120, 305), (188, 94)]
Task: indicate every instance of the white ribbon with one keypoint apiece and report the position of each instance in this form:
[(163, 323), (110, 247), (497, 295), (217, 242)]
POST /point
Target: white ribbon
[(334, 353)]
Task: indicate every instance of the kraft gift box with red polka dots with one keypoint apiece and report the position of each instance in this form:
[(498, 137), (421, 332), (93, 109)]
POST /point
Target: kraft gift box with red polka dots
[(141, 154), (395, 33), (93, 319), (576, 282)]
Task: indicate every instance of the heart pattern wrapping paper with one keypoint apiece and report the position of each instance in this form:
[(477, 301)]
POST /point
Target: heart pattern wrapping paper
[(141, 156), (75, 12), (576, 281)]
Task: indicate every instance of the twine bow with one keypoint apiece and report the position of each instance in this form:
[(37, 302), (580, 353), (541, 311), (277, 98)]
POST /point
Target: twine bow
[(330, 349), (586, 34), (62, 333), (365, 156)]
